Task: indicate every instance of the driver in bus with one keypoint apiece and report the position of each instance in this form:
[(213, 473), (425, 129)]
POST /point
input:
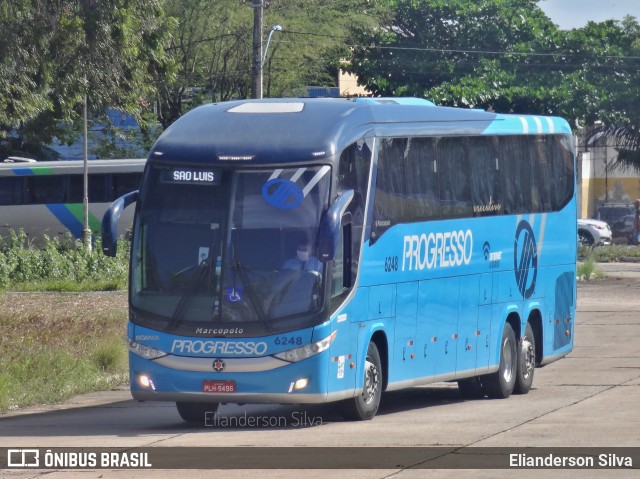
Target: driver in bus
[(304, 260)]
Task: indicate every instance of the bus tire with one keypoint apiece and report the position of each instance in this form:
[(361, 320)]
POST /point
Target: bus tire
[(196, 412), (501, 383), (526, 362), (471, 388), (365, 406)]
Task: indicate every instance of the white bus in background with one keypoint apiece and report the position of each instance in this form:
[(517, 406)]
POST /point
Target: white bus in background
[(45, 197)]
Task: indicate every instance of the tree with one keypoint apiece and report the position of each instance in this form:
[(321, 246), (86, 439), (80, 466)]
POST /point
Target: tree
[(212, 46), (52, 54), (620, 115), (507, 56), (429, 43)]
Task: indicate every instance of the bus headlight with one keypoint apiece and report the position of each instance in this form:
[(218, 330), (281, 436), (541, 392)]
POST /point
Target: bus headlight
[(144, 351), (304, 352)]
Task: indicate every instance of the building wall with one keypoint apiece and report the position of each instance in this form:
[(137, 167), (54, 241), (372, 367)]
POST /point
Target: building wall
[(601, 183), (348, 84)]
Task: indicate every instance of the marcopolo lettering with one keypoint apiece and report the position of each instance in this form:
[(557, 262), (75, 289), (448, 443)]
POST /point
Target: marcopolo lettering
[(437, 250), (249, 348)]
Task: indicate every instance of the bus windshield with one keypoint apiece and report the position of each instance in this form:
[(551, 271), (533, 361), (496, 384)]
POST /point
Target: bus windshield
[(218, 246)]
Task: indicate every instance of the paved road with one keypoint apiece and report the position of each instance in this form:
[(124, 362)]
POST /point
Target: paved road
[(589, 399)]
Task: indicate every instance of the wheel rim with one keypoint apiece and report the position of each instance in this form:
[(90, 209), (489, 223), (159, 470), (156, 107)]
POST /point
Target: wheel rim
[(371, 381), (507, 360), (528, 354), (584, 239)]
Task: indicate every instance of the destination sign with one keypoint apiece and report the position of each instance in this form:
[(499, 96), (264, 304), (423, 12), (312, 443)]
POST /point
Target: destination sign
[(192, 176)]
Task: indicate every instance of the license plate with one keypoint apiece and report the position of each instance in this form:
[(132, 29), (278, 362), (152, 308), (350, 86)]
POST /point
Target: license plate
[(219, 386)]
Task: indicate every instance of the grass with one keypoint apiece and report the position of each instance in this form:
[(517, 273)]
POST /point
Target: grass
[(611, 253), (56, 345), (589, 258), (59, 335), (588, 270)]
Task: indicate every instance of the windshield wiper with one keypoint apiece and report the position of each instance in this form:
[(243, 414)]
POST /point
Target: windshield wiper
[(198, 277), (244, 277)]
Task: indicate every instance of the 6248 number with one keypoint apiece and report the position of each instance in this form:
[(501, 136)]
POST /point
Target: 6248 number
[(291, 340), (390, 264)]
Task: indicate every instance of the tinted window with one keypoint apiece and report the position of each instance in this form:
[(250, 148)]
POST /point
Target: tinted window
[(419, 179), (43, 189)]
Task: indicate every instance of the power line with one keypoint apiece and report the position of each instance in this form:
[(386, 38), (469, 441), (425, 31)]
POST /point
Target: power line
[(463, 51)]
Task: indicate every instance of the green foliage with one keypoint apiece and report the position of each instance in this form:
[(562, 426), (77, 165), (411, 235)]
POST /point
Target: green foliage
[(52, 54), (610, 253), (212, 45), (110, 356), (506, 56), (60, 265), (588, 270)]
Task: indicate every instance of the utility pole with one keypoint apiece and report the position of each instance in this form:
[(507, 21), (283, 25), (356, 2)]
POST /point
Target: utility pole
[(256, 68), (86, 233)]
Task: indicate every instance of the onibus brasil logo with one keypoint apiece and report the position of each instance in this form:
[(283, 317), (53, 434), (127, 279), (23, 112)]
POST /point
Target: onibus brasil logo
[(525, 259)]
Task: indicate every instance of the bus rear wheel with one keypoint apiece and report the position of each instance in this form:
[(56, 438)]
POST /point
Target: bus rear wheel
[(196, 412), (526, 362), (365, 406), (501, 383)]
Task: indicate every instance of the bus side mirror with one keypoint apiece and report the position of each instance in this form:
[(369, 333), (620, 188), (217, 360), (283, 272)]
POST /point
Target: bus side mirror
[(110, 222), (329, 231)]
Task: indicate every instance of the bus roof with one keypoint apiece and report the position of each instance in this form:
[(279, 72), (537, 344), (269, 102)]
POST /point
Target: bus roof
[(71, 167), (289, 130)]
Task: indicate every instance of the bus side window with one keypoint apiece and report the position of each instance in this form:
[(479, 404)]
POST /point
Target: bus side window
[(353, 174), (47, 189), (99, 188), (516, 174), (485, 180), (12, 190), (123, 183), (453, 178), (422, 183), (389, 200)]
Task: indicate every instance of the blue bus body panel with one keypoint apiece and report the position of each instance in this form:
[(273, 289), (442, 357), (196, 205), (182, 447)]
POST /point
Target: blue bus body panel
[(437, 312)]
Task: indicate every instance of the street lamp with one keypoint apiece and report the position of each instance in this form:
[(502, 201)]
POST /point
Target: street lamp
[(275, 28)]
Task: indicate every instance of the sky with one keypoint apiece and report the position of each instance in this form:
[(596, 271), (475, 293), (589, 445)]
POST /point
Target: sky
[(568, 14)]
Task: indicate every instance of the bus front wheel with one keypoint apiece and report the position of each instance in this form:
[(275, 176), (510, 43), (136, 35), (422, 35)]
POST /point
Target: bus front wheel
[(196, 411), (526, 362), (365, 406), (501, 383)]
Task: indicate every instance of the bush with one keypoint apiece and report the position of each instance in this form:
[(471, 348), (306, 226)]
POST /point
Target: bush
[(60, 265)]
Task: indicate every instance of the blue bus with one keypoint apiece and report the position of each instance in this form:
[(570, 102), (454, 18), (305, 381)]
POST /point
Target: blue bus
[(327, 250)]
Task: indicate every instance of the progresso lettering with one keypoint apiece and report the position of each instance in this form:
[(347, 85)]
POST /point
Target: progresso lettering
[(249, 348), (437, 250)]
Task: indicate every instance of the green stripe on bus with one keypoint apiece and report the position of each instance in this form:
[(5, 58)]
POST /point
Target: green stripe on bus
[(42, 170), (77, 210)]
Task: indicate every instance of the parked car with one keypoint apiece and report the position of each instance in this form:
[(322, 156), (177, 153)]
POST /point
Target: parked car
[(625, 230), (612, 212), (593, 232)]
